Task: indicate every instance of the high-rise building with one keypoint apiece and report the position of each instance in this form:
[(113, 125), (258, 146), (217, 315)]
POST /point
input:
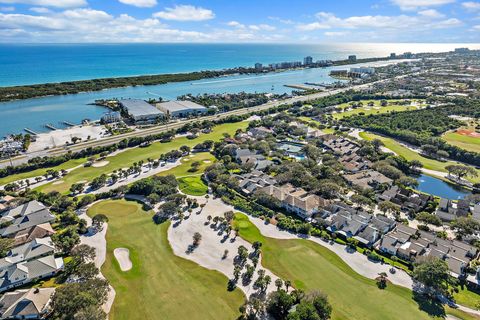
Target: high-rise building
[(393, 55), (307, 61), (352, 58), (258, 66)]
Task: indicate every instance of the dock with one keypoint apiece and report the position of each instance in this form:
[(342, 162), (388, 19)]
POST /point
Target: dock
[(301, 87), (30, 131), (68, 124), (50, 126)]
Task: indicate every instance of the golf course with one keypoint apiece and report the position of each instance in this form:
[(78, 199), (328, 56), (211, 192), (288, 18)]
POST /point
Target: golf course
[(160, 285), (465, 139), (128, 157), (376, 108), (312, 267)]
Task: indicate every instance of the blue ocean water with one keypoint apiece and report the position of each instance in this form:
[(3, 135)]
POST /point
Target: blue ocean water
[(33, 63)]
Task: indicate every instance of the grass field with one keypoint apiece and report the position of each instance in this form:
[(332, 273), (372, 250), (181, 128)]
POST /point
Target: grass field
[(160, 285), (375, 109), (312, 267), (190, 182), (127, 158), (412, 155), (462, 141), (40, 172)]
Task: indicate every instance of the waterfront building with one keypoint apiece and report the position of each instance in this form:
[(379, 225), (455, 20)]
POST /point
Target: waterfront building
[(363, 70), (258, 66), (393, 55), (141, 111), (180, 109), (111, 117), (307, 61), (352, 58)]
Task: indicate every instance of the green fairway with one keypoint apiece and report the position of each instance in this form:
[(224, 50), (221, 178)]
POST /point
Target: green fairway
[(40, 172), (312, 267), (191, 182), (410, 155), (160, 285), (463, 141), (375, 109), (126, 158)]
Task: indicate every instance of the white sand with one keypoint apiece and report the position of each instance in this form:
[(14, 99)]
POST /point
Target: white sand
[(209, 253), (123, 257), (100, 164), (207, 161)]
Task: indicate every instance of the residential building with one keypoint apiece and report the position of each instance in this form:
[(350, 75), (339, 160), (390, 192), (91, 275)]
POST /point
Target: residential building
[(292, 149), (39, 231), (21, 211), (258, 66), (26, 304), (352, 58), (307, 61), (181, 109), (28, 271), (140, 111), (26, 222), (448, 210), (368, 179), (259, 132), (28, 251), (407, 199), (249, 183)]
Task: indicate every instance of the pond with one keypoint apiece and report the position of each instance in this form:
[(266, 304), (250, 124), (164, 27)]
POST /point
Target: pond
[(440, 188)]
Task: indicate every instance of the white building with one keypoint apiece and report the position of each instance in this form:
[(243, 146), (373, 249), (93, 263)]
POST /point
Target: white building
[(141, 111), (180, 109)]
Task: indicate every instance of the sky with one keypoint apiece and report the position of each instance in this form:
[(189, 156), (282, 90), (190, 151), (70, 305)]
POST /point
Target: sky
[(236, 21)]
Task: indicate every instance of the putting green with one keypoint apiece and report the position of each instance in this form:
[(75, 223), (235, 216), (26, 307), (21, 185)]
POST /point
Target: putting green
[(160, 285)]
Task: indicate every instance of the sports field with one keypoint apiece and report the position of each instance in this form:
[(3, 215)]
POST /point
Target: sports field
[(376, 108), (464, 138)]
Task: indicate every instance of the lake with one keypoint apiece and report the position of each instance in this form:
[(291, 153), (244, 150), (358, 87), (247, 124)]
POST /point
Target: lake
[(440, 188)]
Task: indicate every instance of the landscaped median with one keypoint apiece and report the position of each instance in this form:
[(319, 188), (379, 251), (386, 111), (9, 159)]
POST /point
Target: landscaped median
[(160, 285)]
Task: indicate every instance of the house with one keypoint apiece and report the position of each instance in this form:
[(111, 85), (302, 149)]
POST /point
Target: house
[(392, 241), (28, 251), (246, 156), (292, 149), (29, 271), (296, 200), (21, 211), (26, 304), (340, 146), (26, 222), (259, 132), (368, 179), (5, 202), (39, 231), (448, 210), (408, 200), (249, 183)]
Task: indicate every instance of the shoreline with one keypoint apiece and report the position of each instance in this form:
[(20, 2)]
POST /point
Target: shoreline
[(11, 93)]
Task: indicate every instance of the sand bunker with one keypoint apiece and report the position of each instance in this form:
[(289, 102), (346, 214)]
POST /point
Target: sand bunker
[(58, 182), (100, 164), (207, 161), (123, 257)]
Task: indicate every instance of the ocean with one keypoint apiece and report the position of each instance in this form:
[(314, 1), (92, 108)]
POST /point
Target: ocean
[(32, 63)]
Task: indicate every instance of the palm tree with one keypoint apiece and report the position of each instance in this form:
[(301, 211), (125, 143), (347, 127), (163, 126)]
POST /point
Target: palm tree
[(279, 284), (197, 237), (288, 284)]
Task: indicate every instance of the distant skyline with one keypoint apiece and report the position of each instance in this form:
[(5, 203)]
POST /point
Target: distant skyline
[(302, 21)]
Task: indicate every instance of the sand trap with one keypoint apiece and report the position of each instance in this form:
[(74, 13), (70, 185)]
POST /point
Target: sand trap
[(82, 181), (58, 182), (100, 164), (123, 257), (185, 160), (207, 161)]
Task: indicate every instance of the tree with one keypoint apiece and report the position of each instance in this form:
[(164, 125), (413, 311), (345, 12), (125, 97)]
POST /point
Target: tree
[(77, 188), (197, 237), (321, 304), (377, 144), (304, 311), (279, 284), (229, 215), (279, 303), (382, 280), (433, 273), (98, 220), (388, 206), (256, 245), (461, 171), (361, 200), (66, 240), (465, 226), (5, 245)]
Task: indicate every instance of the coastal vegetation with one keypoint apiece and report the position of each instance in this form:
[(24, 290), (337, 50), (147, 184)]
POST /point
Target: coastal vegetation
[(157, 274)]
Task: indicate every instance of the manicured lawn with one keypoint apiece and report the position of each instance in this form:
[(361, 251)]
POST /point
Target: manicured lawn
[(190, 182), (39, 172), (160, 285), (411, 155), (467, 297), (127, 158), (312, 267), (376, 109), (462, 141)]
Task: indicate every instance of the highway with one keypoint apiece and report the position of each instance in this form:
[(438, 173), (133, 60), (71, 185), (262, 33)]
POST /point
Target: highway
[(175, 125)]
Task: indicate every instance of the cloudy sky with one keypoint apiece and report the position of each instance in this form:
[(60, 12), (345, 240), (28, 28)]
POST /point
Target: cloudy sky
[(303, 21)]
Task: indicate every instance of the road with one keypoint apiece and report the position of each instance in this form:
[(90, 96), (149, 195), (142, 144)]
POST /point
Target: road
[(175, 125)]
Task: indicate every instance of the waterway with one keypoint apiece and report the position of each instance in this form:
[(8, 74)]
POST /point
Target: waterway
[(35, 113), (440, 188)]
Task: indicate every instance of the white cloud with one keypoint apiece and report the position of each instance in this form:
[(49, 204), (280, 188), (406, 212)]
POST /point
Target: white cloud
[(185, 13), (50, 3), (40, 10), (471, 6), (336, 33), (415, 4), (235, 24), (379, 23), (431, 13), (140, 3), (7, 9)]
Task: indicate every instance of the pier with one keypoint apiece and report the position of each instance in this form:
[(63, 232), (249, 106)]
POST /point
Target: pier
[(50, 126), (68, 124), (30, 131)]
